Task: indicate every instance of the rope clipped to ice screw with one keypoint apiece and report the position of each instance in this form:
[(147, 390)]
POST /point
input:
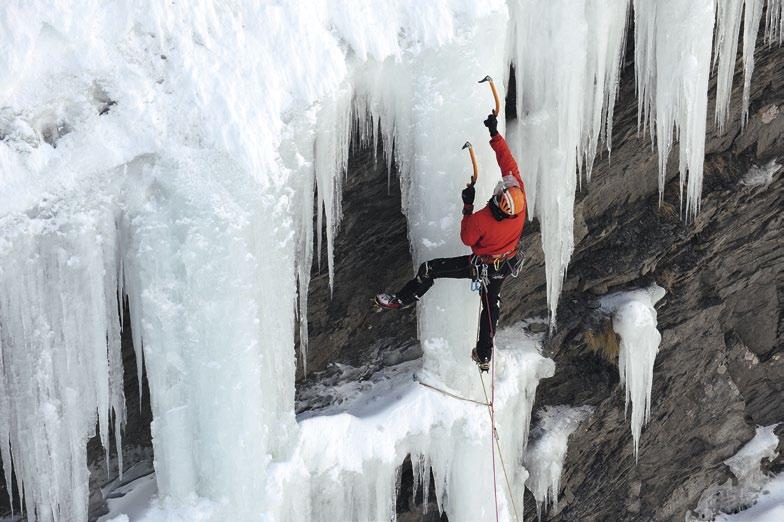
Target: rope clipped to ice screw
[(495, 442)]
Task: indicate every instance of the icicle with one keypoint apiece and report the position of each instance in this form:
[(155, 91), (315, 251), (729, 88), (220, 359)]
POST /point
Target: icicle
[(565, 93), (333, 134), (751, 23), (673, 53), (774, 22), (634, 320), (61, 370), (728, 20), (297, 151), (545, 457)]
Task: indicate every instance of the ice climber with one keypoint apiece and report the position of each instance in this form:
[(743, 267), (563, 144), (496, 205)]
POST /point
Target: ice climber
[(493, 233)]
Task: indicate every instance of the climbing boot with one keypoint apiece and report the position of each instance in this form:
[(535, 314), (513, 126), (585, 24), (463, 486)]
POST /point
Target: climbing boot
[(388, 302), (483, 363)]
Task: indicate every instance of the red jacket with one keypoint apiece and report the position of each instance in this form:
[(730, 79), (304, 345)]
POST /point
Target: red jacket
[(481, 231)]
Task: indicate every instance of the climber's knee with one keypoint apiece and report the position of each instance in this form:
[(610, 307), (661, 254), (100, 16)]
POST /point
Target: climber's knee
[(424, 271)]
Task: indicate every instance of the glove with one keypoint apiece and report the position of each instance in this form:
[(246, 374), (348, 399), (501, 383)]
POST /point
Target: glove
[(492, 124), (468, 194)]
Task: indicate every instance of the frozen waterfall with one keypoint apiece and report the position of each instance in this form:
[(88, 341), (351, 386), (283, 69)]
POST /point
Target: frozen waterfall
[(177, 154)]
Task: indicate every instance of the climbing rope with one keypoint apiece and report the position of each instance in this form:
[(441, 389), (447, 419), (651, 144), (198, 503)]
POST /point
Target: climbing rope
[(495, 442), (449, 394)]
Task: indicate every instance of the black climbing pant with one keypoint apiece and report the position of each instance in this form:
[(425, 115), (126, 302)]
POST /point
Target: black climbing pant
[(464, 267)]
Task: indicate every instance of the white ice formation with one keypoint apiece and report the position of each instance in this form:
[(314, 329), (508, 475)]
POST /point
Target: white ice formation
[(169, 153), (634, 320), (545, 456), (751, 484)]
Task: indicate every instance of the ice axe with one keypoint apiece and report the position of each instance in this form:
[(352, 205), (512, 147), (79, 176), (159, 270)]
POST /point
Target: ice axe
[(473, 161), (497, 109)]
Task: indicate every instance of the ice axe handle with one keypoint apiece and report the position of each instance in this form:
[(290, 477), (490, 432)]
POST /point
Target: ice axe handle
[(497, 109), (473, 161)]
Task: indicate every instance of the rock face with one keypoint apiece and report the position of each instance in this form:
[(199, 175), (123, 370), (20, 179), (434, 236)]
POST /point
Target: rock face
[(720, 368)]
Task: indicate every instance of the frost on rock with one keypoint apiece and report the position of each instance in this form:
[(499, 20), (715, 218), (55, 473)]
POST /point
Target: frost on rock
[(761, 176), (634, 320), (749, 485), (546, 453)]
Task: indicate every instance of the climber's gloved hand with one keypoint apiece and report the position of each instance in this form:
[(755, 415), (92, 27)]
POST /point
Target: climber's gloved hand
[(492, 124), (468, 194)]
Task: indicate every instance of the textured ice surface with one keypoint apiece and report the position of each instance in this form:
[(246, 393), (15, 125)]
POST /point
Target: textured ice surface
[(672, 61), (545, 456), (58, 376), (634, 320), (177, 154)]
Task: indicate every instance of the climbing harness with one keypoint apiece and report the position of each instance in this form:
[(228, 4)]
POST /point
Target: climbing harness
[(480, 266), (481, 276)]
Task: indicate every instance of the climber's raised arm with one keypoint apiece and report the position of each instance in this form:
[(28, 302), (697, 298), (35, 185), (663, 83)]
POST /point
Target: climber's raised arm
[(503, 155)]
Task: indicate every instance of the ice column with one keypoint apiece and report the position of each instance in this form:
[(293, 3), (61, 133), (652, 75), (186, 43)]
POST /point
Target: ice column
[(203, 242), (672, 63), (431, 103), (60, 363), (634, 320)]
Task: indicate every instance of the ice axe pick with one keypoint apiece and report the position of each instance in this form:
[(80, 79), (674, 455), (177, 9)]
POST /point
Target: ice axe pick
[(497, 109), (473, 161)]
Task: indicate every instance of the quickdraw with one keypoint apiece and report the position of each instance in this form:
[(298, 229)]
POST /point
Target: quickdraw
[(481, 276), (517, 265)]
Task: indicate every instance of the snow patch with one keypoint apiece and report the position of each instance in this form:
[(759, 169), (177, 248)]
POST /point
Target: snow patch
[(753, 495)]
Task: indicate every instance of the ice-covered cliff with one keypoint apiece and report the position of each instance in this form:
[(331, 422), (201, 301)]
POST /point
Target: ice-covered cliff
[(176, 156)]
